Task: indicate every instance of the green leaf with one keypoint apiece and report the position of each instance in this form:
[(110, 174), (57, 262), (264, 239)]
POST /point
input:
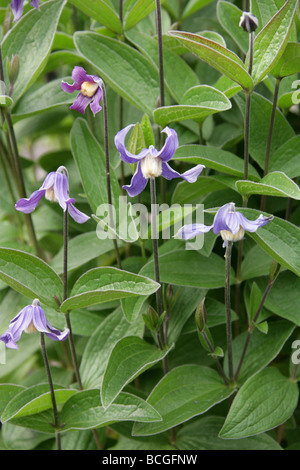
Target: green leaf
[(216, 159), (183, 393), (30, 276), (262, 348), (105, 284), (31, 39), (178, 75), (5, 100), (280, 239), (34, 400), (46, 97), (90, 161), (193, 5), (82, 249), (286, 158), (84, 411), (261, 110), (138, 10), (189, 268), (288, 64), (229, 16), (271, 399), (147, 131), (102, 11), (7, 393), (273, 184), (270, 43), (102, 342), (135, 79), (216, 55), (203, 435), (130, 357), (197, 103), (283, 297)]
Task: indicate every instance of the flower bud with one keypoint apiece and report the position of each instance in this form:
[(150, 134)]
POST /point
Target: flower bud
[(248, 22), (201, 315), (14, 69), (274, 270)]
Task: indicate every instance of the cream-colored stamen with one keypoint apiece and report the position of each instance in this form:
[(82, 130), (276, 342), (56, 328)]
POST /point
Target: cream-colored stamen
[(89, 89), (232, 237), (50, 195), (31, 328), (151, 167)]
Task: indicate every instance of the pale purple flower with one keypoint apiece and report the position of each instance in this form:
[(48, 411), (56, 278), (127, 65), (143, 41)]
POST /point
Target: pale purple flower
[(90, 90), (231, 225), (17, 7), (152, 163), (55, 188), (31, 319)]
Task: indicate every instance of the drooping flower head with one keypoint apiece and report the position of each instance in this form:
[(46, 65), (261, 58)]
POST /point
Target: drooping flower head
[(17, 7), (152, 163), (229, 223), (90, 90), (31, 319), (55, 188), (248, 22)]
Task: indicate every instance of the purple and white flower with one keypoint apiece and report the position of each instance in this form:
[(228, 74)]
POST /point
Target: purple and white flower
[(231, 225), (90, 90), (55, 188), (17, 7), (31, 319), (152, 163)]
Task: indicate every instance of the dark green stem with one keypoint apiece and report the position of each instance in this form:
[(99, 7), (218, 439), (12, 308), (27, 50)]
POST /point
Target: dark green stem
[(251, 329), (160, 53), (107, 169), (220, 368), (55, 412), (228, 308), (270, 135)]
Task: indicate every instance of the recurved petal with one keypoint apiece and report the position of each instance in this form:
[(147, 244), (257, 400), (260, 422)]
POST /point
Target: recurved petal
[(78, 216), (95, 104), (189, 175), (81, 102), (138, 183), (43, 326), (190, 231), (17, 8), (125, 155), (220, 219), (170, 146), (61, 190), (35, 4), (253, 225)]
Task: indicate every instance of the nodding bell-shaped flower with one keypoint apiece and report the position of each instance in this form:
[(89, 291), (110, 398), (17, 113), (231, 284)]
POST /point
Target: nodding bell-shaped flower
[(31, 319), (17, 7), (231, 225), (152, 163), (55, 188), (90, 90), (248, 22)]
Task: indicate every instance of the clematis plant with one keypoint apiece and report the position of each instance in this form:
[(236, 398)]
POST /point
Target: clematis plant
[(17, 7), (55, 188), (31, 319), (228, 222), (152, 163), (90, 87)]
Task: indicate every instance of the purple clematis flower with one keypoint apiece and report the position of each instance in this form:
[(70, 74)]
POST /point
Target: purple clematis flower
[(31, 319), (17, 7), (90, 90), (231, 225), (54, 188), (152, 163)]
